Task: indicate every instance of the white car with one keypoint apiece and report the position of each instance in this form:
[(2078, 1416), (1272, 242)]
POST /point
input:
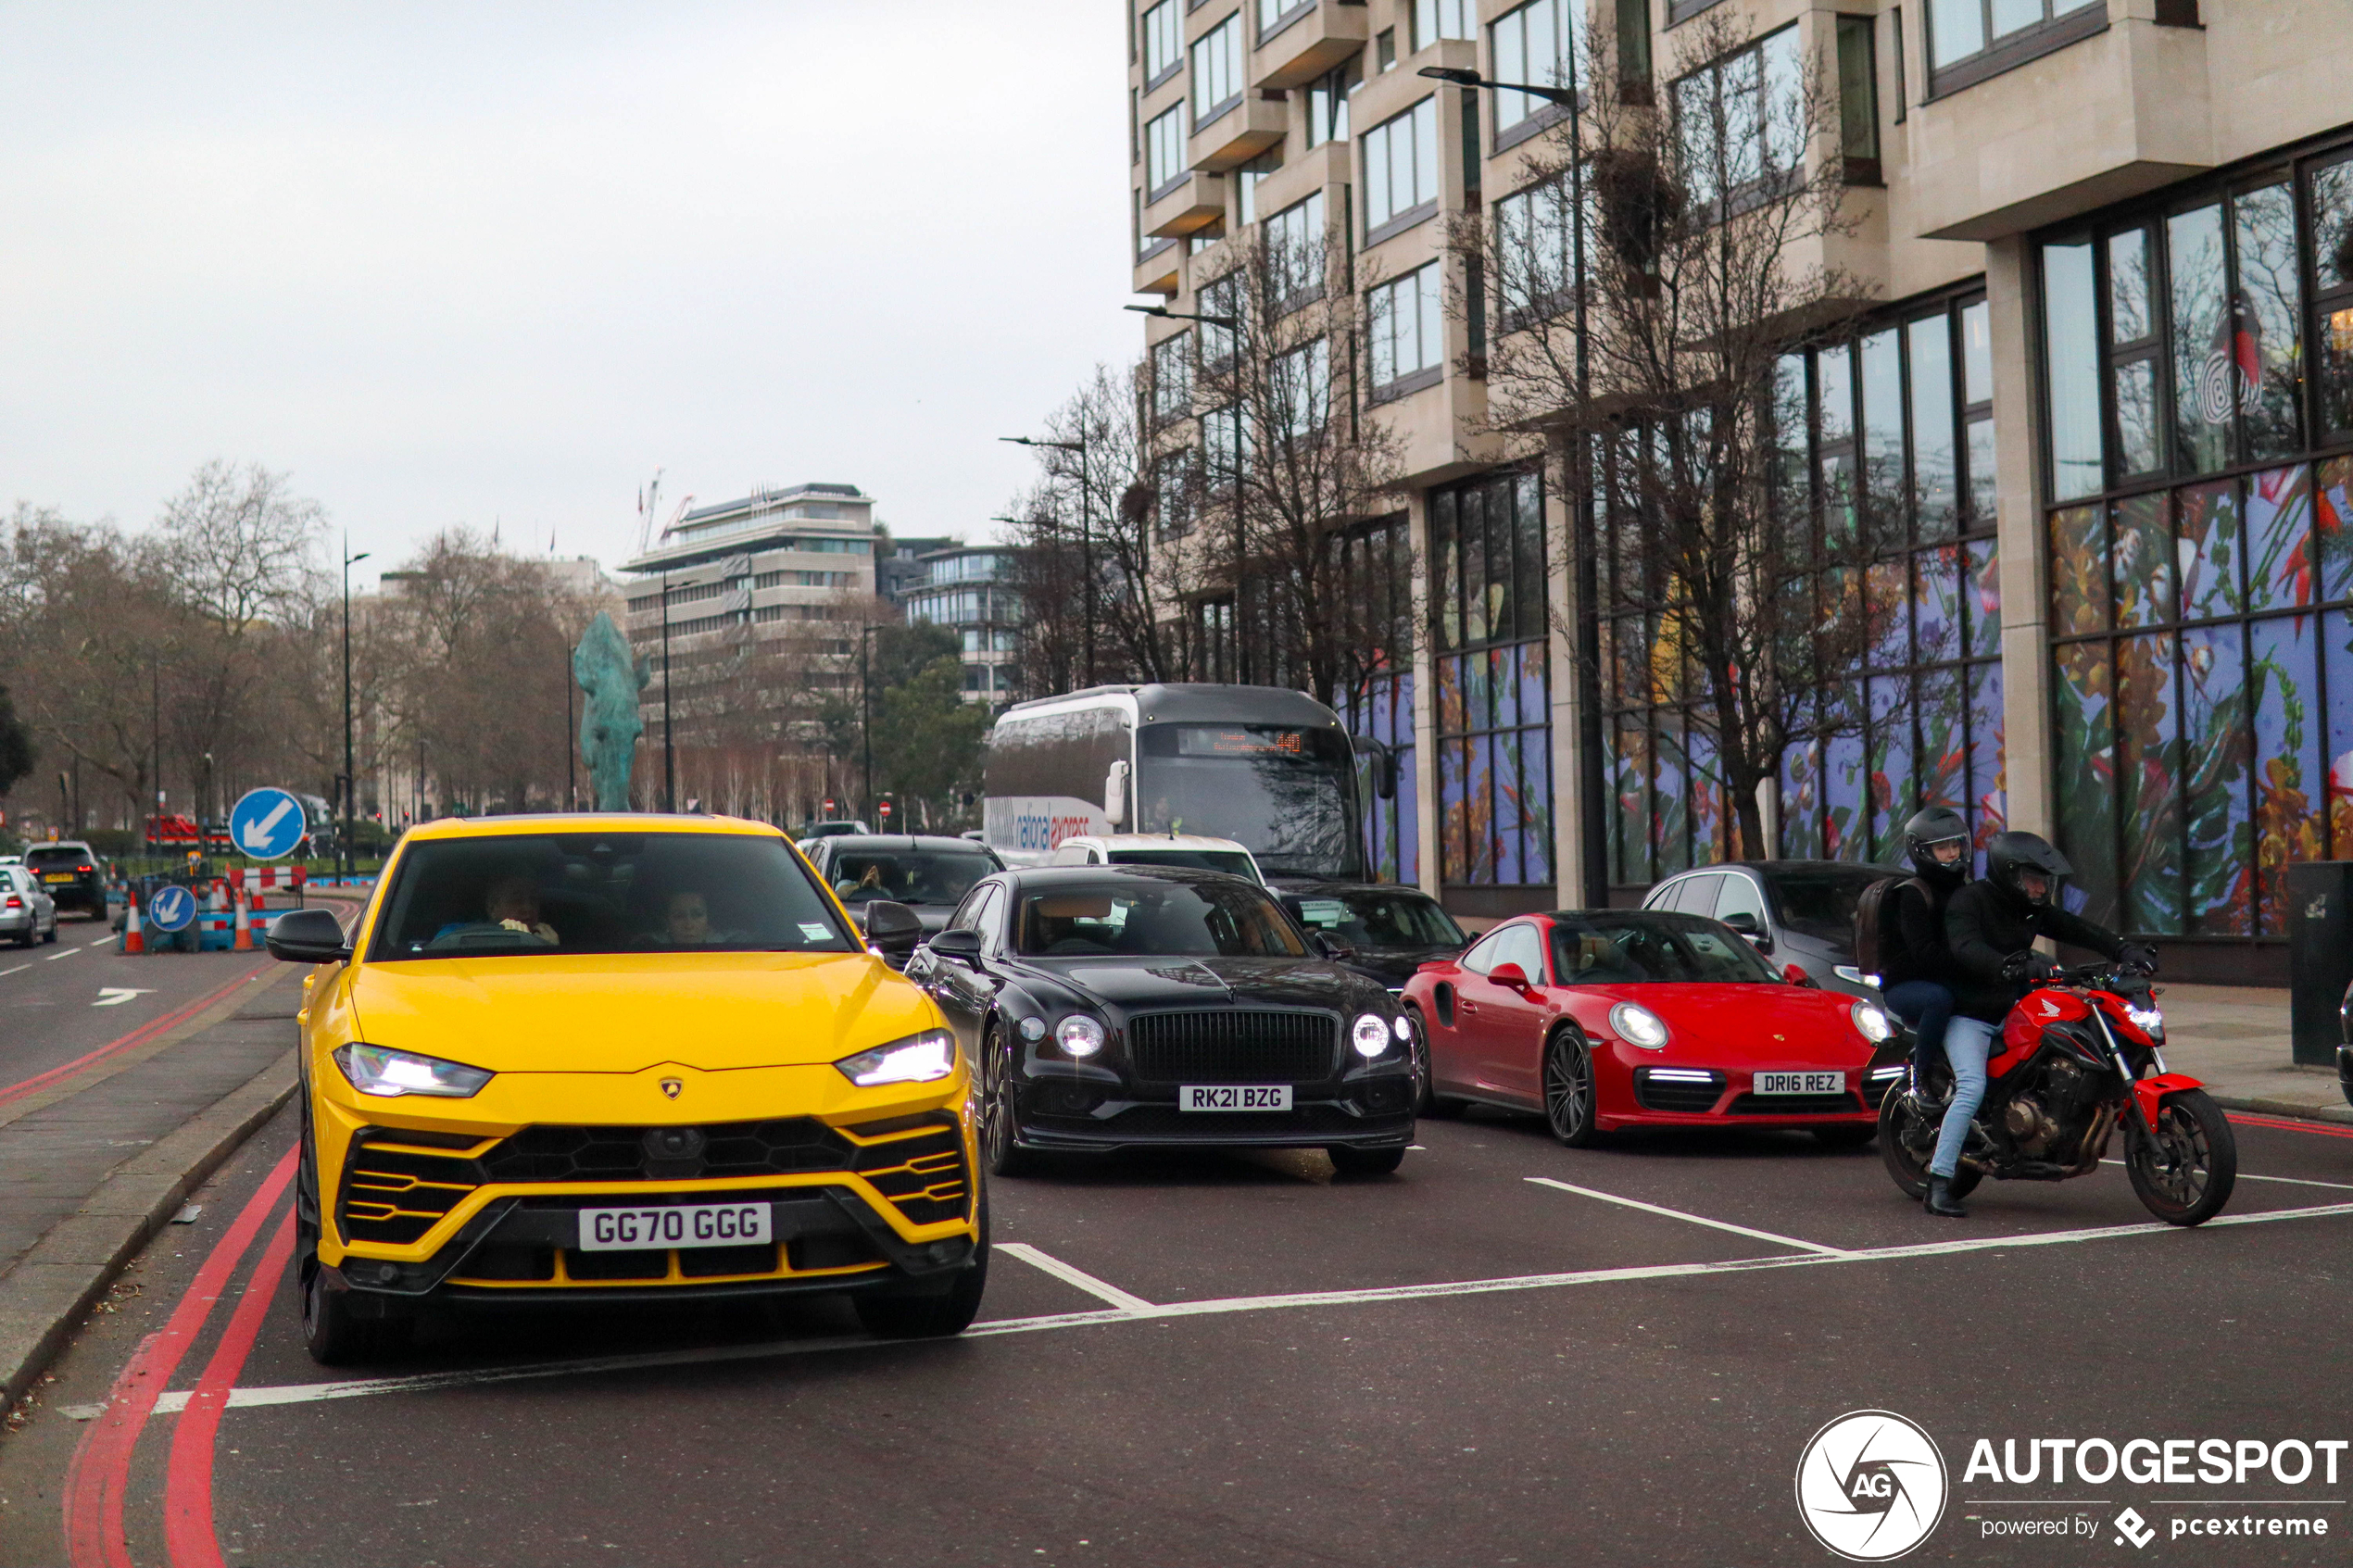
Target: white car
[(1192, 849), (27, 913)]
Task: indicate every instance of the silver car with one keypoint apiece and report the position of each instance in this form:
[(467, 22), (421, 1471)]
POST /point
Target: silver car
[(1797, 912), (27, 914)]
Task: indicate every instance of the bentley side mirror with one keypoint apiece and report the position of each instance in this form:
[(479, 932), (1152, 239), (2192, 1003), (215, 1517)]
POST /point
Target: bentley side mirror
[(308, 936), (1332, 947), (892, 927), (962, 945), (1509, 975)]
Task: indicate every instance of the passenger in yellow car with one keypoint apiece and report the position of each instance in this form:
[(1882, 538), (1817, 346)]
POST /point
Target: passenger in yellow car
[(687, 921)]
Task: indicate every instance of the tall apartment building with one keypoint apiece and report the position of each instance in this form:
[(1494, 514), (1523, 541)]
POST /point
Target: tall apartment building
[(968, 590), (2110, 246)]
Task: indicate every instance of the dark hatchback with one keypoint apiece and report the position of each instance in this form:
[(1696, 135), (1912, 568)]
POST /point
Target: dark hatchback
[(929, 874), (1131, 1007), (67, 873), (1389, 931)]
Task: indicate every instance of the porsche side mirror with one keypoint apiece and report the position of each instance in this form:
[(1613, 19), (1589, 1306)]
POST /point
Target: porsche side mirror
[(962, 945), (892, 927), (308, 936), (1795, 975), (1509, 975)]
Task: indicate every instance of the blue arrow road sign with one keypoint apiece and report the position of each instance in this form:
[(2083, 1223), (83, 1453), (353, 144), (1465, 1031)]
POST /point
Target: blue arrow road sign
[(170, 908), (266, 825)]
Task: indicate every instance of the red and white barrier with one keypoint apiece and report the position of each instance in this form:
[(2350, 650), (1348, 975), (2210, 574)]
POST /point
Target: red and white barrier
[(243, 877)]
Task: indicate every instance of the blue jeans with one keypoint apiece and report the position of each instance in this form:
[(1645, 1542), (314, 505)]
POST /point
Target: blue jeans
[(1967, 1042), (1927, 1007)]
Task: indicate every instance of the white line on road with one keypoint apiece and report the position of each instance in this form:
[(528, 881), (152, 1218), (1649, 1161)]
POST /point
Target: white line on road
[(1047, 1263), (61, 953), (1694, 1219), (19, 970), (102, 942), (2291, 1181), (173, 1402)]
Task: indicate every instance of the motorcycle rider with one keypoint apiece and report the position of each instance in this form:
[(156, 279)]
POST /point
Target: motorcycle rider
[(1918, 977), (1991, 927)]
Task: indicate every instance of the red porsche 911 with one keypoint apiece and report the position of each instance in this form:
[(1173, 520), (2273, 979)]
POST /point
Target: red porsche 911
[(1602, 1019)]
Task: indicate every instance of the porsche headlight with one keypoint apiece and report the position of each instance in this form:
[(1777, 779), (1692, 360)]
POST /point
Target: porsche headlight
[(374, 1069), (1369, 1034), (918, 1058), (1637, 1025), (1079, 1034), (1873, 1025)]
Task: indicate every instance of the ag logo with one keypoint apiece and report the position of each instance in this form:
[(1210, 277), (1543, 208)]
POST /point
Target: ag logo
[(1871, 1486)]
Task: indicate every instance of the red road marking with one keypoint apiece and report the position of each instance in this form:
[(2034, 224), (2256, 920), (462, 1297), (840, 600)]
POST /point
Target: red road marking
[(146, 1032), (100, 1473), (2288, 1124), (188, 1530)]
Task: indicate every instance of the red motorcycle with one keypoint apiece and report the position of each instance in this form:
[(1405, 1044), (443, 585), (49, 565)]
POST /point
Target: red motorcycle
[(2080, 1056)]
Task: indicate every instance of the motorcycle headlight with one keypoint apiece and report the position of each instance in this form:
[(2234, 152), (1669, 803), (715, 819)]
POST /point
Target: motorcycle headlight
[(918, 1058), (1079, 1034), (1873, 1025), (1369, 1034), (372, 1070), (2148, 1020), (1637, 1025)]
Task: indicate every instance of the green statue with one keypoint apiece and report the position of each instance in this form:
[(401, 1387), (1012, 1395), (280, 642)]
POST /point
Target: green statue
[(608, 725)]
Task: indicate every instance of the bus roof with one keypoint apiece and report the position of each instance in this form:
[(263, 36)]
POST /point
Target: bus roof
[(1191, 702)]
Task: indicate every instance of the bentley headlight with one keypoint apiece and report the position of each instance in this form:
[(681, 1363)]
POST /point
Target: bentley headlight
[(918, 1058), (1369, 1034), (1873, 1025), (388, 1073), (1637, 1025), (1079, 1034)]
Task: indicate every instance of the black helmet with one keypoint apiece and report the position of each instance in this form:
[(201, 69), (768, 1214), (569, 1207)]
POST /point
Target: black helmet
[(1937, 825), (2011, 853)]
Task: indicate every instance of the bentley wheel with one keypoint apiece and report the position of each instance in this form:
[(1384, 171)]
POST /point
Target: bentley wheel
[(2185, 1171), (1001, 1148), (1569, 1089), (1437, 1106), (1349, 1161)]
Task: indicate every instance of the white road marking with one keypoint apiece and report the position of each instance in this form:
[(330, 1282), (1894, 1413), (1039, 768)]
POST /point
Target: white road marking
[(61, 953), (19, 970), (1102, 1289), (1694, 1219), (2291, 1181), (173, 1402), (115, 995), (102, 942)]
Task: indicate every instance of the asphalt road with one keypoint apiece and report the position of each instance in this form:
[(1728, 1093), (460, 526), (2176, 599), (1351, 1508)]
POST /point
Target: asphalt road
[(1508, 1353)]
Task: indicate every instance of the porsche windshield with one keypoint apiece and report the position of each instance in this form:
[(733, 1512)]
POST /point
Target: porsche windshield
[(1639, 947), (604, 893), (1155, 920)]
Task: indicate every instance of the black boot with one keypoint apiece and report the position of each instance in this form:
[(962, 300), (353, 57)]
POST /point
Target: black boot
[(1940, 1199)]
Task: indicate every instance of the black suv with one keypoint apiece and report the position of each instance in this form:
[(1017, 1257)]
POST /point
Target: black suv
[(67, 872)]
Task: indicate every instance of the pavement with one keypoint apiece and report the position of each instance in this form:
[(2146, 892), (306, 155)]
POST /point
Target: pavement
[(2235, 1037)]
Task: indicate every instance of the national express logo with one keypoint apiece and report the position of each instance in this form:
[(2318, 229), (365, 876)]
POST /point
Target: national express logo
[(1871, 1486)]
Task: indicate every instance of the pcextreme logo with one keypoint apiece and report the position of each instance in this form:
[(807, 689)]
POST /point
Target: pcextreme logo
[(1871, 1486)]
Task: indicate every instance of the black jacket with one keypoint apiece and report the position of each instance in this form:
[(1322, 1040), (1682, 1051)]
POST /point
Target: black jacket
[(1922, 952), (1984, 926)]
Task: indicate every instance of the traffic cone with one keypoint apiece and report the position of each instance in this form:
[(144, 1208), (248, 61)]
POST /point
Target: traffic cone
[(242, 943), (132, 942)]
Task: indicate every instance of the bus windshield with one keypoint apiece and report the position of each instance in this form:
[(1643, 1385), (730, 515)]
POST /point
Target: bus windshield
[(1286, 794)]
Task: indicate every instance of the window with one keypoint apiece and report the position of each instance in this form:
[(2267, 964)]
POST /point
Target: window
[(1176, 476), (1493, 706), (1272, 12), (1998, 34), (1385, 48), (1226, 445), (1223, 297), (1434, 19), (1536, 45), (1401, 167), (1858, 100), (1217, 70), (1535, 249), (1741, 121), (1246, 181), (1163, 152), (1295, 251), (1407, 328), (1163, 40), (1327, 105), (1634, 48), (1173, 377), (1301, 386)]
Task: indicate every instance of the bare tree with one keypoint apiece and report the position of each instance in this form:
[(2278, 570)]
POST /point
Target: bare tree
[(1708, 224)]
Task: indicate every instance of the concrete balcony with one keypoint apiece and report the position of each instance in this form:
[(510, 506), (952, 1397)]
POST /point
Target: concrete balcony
[(1317, 168), (1161, 269), (1197, 201), (2106, 117), (1309, 40), (1251, 125)]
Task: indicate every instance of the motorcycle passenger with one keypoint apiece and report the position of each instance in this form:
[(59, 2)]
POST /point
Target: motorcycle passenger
[(1991, 927), (1918, 977)]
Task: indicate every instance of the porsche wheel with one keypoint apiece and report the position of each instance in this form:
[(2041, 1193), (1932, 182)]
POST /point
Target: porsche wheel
[(1001, 1148), (1569, 1089)]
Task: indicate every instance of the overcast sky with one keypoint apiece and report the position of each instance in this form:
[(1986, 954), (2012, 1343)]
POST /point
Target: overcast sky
[(500, 261)]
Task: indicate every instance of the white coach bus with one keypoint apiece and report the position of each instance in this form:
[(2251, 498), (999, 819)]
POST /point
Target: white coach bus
[(1267, 766)]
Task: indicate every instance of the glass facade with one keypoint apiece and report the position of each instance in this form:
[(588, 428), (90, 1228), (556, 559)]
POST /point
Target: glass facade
[(2200, 566), (1380, 704), (1488, 637)]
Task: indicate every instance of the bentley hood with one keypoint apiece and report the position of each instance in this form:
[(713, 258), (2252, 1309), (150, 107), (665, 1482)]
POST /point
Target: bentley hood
[(1151, 984), (626, 1013)]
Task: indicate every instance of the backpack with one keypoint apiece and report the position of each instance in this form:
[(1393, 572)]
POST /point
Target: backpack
[(1876, 939)]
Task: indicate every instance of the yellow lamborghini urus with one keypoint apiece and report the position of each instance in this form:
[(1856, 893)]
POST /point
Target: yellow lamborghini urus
[(621, 1057)]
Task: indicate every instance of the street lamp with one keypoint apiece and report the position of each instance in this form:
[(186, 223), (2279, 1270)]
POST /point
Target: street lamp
[(669, 753), (350, 863), (1231, 323), (1589, 718), (1086, 539), (866, 710)]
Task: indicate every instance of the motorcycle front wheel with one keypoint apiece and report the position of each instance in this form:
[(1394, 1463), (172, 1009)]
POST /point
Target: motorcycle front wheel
[(2183, 1172), (1907, 1143)]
